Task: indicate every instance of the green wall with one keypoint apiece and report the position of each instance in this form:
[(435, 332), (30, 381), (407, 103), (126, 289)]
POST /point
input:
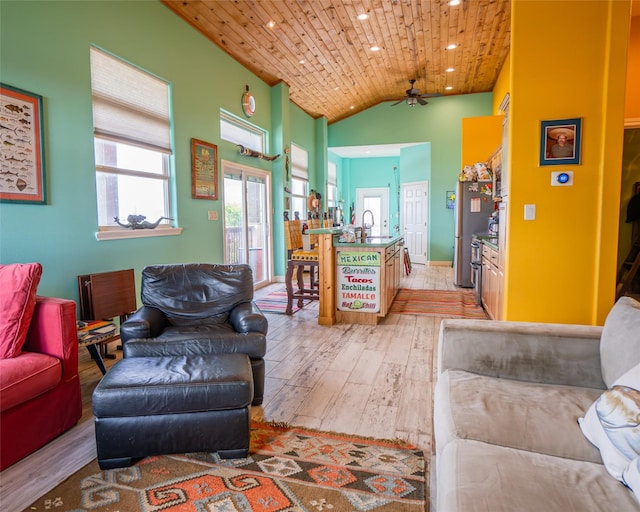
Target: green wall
[(45, 50), (440, 124)]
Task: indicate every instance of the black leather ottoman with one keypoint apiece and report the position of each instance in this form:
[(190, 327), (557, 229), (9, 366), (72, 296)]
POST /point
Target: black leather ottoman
[(159, 405)]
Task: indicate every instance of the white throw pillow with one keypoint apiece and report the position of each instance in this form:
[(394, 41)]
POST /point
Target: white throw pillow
[(612, 423), (631, 477)]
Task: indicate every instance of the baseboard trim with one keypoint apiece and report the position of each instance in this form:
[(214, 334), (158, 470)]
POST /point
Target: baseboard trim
[(439, 263)]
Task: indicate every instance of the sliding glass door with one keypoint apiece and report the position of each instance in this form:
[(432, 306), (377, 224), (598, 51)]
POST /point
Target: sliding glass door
[(247, 228)]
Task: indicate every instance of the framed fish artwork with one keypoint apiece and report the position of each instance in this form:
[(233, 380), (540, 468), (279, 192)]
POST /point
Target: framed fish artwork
[(22, 170)]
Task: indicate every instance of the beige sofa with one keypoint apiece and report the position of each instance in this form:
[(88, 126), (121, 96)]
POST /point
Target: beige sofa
[(506, 408)]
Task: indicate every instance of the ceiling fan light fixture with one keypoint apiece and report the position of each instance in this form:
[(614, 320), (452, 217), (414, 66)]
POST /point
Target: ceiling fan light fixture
[(412, 102)]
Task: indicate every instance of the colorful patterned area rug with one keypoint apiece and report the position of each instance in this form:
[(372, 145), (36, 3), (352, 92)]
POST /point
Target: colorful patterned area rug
[(276, 302), (447, 304), (288, 469)]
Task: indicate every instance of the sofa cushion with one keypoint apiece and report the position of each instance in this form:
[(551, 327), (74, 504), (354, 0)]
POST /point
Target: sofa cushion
[(198, 340), (530, 416), (481, 477), (612, 423), (18, 285), (620, 342), (27, 376)]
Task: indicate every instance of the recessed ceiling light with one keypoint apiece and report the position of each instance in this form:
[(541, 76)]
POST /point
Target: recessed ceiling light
[(453, 3), (363, 16), (271, 24), (301, 61), (448, 88), (375, 48), (352, 107), (452, 47), (449, 70)]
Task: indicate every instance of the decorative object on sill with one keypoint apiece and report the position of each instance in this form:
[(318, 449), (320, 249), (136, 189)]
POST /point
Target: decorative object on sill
[(451, 199), (139, 222), (287, 151), (313, 204), (560, 141), (286, 215), (256, 154), (248, 102), (204, 170), (23, 173)]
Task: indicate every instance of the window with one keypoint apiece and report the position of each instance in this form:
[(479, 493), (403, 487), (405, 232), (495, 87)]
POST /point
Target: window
[(132, 142), (299, 180), (233, 129), (332, 185)]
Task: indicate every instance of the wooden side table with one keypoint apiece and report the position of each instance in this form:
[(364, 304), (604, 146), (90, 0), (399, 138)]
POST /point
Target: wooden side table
[(95, 334)]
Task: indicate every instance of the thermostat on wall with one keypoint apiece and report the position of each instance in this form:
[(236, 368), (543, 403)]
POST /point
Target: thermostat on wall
[(562, 178)]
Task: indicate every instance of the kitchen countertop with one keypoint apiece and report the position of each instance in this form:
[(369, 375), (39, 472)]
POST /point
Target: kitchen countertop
[(489, 240), (371, 241)]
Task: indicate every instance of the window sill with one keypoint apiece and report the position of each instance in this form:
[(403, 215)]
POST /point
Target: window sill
[(119, 234)]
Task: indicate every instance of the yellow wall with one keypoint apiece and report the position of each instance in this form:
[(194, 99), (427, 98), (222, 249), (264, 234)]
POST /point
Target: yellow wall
[(561, 266), (481, 136), (632, 100)]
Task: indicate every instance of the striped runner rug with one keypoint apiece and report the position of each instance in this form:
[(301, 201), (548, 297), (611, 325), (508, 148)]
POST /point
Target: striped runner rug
[(448, 304), (276, 302)]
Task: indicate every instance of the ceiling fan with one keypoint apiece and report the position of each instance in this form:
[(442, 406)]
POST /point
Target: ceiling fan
[(413, 96)]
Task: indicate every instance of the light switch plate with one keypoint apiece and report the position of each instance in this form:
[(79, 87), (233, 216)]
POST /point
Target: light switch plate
[(529, 212), (212, 215)]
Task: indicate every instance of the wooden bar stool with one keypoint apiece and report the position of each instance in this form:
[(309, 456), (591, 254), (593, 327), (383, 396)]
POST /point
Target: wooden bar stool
[(298, 261)]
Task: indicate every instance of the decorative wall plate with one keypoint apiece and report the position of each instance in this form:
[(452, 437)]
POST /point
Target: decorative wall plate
[(248, 103)]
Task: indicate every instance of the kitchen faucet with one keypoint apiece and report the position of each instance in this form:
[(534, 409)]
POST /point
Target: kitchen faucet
[(364, 226)]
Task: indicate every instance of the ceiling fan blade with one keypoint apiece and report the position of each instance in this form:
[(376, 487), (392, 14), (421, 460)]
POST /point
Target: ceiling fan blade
[(398, 102), (421, 101), (434, 95)]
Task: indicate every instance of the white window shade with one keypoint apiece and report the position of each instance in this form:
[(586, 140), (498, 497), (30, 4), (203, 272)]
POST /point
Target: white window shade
[(299, 162), (129, 105)]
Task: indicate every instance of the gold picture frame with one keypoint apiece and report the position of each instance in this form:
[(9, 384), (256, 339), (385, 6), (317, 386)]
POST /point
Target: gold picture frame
[(204, 170)]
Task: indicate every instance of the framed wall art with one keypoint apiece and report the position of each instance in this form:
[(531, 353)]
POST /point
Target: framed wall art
[(204, 170), (560, 141), (22, 171)]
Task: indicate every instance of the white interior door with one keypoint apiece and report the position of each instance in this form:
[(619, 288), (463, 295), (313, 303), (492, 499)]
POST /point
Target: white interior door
[(377, 201), (247, 226), (414, 203)]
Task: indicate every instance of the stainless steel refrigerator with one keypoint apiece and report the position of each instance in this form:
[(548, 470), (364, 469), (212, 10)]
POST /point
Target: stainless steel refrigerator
[(472, 211)]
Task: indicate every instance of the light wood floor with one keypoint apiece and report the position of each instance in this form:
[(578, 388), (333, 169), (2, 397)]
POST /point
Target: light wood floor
[(365, 380)]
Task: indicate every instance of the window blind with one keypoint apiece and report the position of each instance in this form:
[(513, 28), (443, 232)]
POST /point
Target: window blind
[(299, 162), (129, 105)]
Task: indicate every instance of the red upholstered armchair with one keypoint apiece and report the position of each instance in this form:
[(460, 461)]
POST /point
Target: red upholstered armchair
[(40, 386)]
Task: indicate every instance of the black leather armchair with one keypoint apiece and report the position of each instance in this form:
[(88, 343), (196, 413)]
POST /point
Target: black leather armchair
[(198, 309)]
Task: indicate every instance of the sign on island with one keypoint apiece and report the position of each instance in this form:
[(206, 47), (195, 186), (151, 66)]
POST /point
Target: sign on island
[(358, 281)]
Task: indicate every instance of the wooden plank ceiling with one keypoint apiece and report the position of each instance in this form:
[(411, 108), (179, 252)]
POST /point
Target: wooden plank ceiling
[(322, 51)]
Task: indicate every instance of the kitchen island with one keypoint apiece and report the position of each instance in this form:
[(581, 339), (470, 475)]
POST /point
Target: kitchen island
[(357, 280)]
